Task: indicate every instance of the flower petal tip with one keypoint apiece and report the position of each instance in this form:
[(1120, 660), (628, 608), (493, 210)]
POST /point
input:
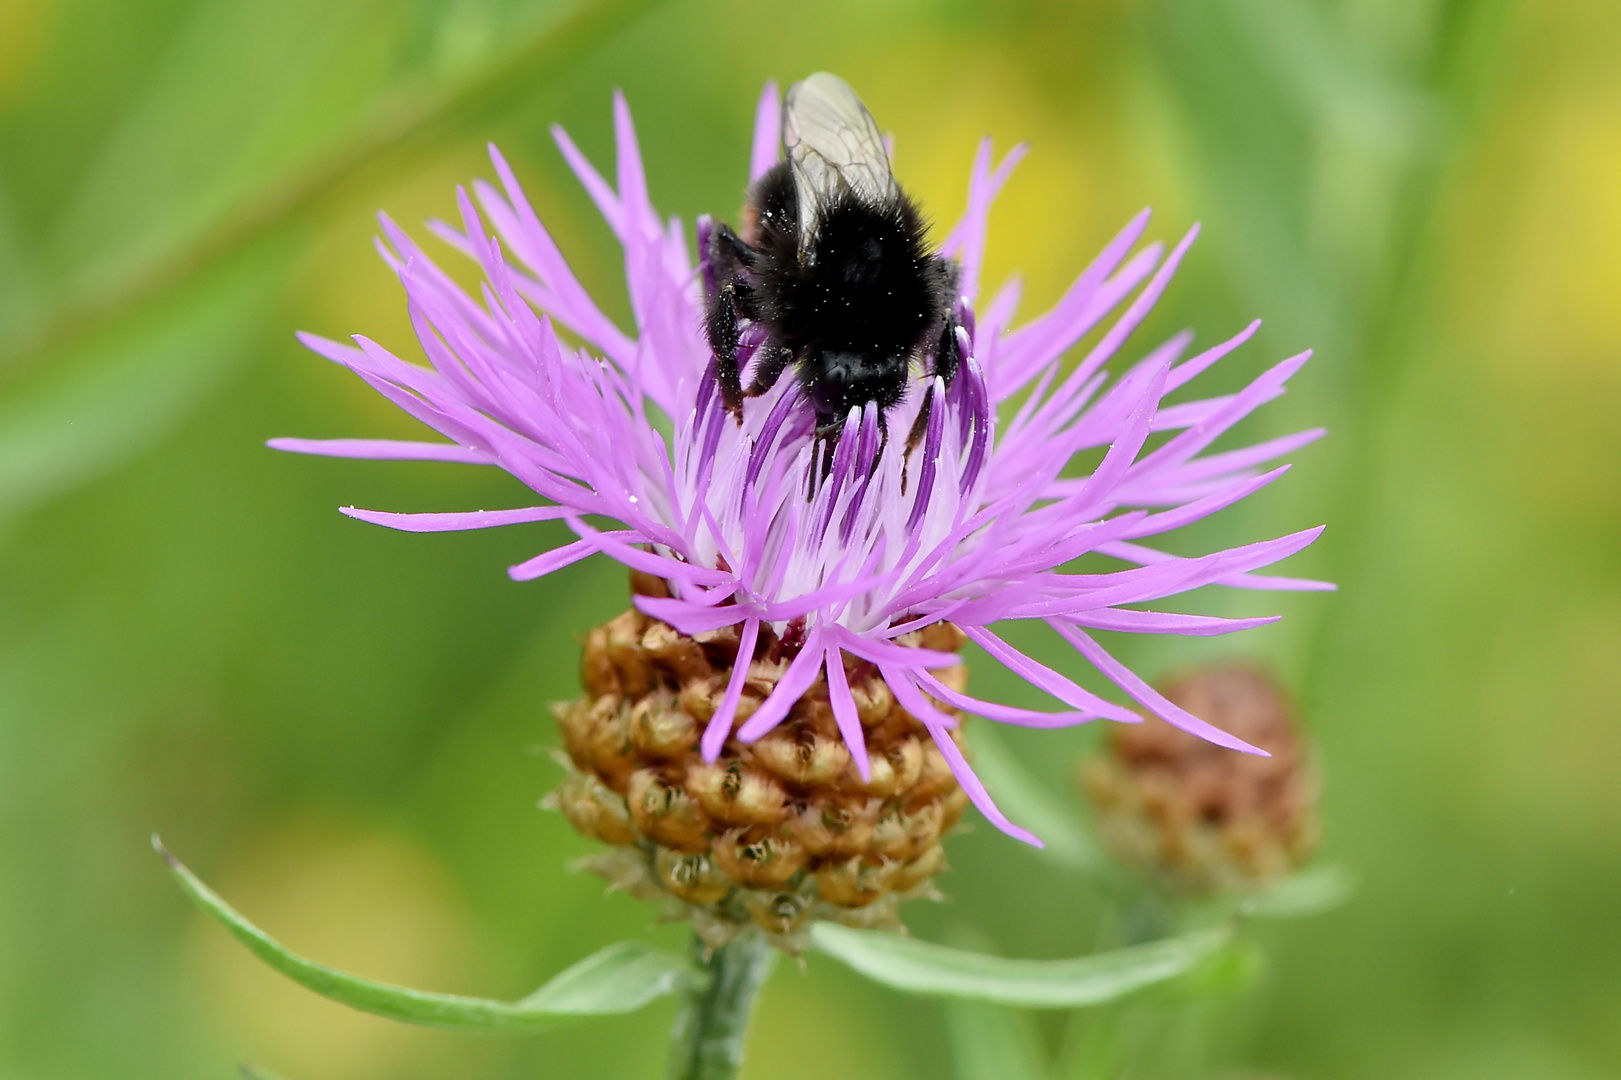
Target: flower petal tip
[(1024, 835)]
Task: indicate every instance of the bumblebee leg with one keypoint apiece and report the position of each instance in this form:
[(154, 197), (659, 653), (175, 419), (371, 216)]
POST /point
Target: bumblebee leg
[(728, 254), (729, 258), (829, 429), (921, 424), (721, 325)]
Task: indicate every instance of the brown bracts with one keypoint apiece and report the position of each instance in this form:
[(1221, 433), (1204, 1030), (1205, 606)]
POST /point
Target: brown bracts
[(1199, 818), (771, 834)]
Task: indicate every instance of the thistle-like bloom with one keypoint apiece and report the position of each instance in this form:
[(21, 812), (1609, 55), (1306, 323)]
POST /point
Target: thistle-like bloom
[(750, 528), (1200, 820)]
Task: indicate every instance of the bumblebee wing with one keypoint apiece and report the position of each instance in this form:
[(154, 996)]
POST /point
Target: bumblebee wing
[(833, 146)]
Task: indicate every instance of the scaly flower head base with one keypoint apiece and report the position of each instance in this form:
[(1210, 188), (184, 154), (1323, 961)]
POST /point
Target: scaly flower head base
[(761, 535), (770, 833), (1198, 820)]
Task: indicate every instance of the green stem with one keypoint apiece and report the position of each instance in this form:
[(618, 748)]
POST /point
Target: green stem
[(706, 1042)]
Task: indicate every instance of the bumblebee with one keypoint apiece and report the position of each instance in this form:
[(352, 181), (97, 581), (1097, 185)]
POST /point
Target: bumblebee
[(834, 264)]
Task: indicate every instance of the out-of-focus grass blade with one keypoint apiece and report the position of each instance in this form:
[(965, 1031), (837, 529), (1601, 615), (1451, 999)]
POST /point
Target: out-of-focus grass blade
[(929, 970), (992, 1042), (119, 391), (1024, 799), (126, 243), (180, 224), (619, 979), (243, 96), (1300, 46)]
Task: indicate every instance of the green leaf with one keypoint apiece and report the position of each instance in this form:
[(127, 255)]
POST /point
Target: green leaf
[(992, 1042), (929, 970), (619, 979), (1023, 798)]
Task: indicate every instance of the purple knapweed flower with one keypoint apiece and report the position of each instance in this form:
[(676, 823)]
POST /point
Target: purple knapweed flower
[(748, 527)]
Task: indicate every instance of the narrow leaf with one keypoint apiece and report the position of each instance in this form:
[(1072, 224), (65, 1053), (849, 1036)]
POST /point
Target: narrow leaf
[(926, 969), (619, 979)]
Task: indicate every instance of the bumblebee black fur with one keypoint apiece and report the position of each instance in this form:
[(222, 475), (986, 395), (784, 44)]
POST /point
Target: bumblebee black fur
[(850, 310)]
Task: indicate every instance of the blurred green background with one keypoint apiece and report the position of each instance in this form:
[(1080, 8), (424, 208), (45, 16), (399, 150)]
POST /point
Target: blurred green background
[(336, 725)]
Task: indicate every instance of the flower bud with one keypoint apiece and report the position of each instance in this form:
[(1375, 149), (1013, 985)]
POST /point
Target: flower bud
[(598, 739), (934, 778), (597, 672), (625, 653), (701, 697), (952, 805), (680, 655), (874, 701), (1199, 817)]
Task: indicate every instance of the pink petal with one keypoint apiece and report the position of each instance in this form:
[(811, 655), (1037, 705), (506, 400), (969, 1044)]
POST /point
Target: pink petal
[(720, 725), (382, 450), (452, 522), (1146, 695), (1006, 714), (844, 711), (939, 725), (1045, 678), (767, 132), (555, 559), (790, 688)]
